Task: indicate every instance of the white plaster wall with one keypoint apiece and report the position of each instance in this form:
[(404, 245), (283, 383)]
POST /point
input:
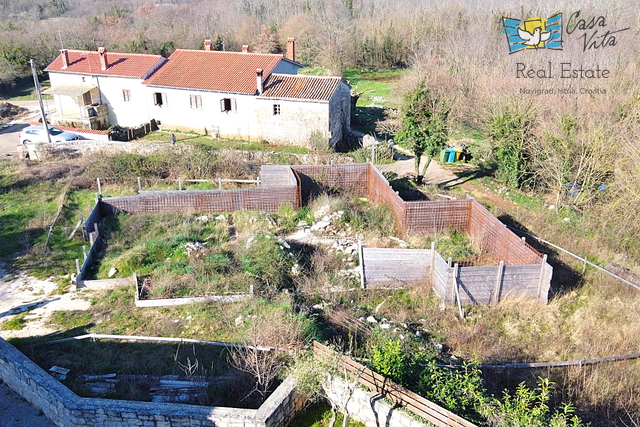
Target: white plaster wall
[(178, 114), (131, 113)]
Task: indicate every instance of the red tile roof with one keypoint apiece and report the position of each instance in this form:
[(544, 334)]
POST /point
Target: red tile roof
[(120, 64), (213, 70), (300, 87), (76, 130)]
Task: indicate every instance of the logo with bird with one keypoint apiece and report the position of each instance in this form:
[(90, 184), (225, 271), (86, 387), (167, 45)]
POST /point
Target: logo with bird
[(534, 33)]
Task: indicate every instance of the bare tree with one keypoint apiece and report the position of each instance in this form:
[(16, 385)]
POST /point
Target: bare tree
[(264, 352)]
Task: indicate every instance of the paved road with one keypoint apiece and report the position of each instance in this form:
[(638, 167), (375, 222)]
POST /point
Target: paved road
[(17, 412), (9, 136), (9, 140)]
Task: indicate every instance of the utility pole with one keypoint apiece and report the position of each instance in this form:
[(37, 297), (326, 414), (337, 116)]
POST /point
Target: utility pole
[(44, 116)]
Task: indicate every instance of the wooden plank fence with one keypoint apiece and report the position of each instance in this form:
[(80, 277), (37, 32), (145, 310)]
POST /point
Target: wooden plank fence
[(407, 399), (389, 268)]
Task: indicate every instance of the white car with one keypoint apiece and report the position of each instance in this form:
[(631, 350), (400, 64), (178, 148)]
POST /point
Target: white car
[(36, 133)]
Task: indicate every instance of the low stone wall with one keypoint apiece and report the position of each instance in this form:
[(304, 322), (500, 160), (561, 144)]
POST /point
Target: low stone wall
[(370, 408), (65, 408)]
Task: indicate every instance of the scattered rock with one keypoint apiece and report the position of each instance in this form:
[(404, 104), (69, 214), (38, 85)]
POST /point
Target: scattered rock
[(113, 271), (320, 225), (220, 218), (193, 247), (324, 210), (371, 319), (204, 219)]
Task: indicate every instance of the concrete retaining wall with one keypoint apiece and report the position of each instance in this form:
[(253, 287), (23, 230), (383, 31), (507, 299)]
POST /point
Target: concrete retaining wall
[(65, 408)]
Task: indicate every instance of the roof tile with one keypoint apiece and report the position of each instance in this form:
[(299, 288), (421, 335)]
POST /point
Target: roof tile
[(120, 64), (213, 70), (300, 87)]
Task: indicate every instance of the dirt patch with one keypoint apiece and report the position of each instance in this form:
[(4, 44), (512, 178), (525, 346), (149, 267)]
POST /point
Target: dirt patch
[(20, 293), (10, 112)]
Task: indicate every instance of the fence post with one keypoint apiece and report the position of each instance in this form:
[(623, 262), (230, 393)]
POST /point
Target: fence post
[(542, 268), (219, 183), (179, 184), (78, 266), (456, 269), (361, 256), (84, 251), (99, 187), (139, 186), (498, 287), (433, 261)]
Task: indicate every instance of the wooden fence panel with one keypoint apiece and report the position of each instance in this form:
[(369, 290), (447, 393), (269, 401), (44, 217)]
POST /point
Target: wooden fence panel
[(407, 399), (387, 268)]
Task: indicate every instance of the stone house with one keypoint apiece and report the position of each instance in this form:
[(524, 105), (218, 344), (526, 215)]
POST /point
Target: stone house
[(242, 95)]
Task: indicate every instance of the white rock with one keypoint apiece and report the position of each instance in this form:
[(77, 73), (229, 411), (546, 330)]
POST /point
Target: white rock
[(221, 218), (385, 326), (324, 210), (566, 219), (302, 223), (113, 271), (371, 319), (203, 218), (239, 320), (368, 141), (320, 225), (551, 207)]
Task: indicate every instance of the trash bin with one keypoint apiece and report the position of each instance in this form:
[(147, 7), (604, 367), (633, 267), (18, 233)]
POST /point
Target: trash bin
[(452, 155), (444, 156), (458, 155)]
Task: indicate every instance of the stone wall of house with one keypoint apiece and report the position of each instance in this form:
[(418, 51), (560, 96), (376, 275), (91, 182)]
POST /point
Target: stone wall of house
[(295, 123), (340, 114), (65, 408), (369, 408)]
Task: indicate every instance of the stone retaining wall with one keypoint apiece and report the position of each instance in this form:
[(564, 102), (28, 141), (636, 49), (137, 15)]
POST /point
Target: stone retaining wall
[(65, 408)]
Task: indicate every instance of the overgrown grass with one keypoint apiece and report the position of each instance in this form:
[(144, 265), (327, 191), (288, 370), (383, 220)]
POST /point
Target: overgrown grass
[(192, 138), (14, 324), (25, 91), (319, 415)]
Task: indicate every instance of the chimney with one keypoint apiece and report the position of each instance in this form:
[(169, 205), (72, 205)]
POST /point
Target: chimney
[(245, 48), (259, 81), (207, 45), (102, 51), (291, 49), (64, 53)]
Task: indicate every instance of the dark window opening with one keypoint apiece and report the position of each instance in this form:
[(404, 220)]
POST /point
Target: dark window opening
[(160, 99), (227, 104), (276, 109)]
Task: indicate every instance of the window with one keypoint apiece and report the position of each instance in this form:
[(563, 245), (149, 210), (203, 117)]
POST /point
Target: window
[(276, 109), (228, 104), (196, 102), (126, 95), (160, 99)]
